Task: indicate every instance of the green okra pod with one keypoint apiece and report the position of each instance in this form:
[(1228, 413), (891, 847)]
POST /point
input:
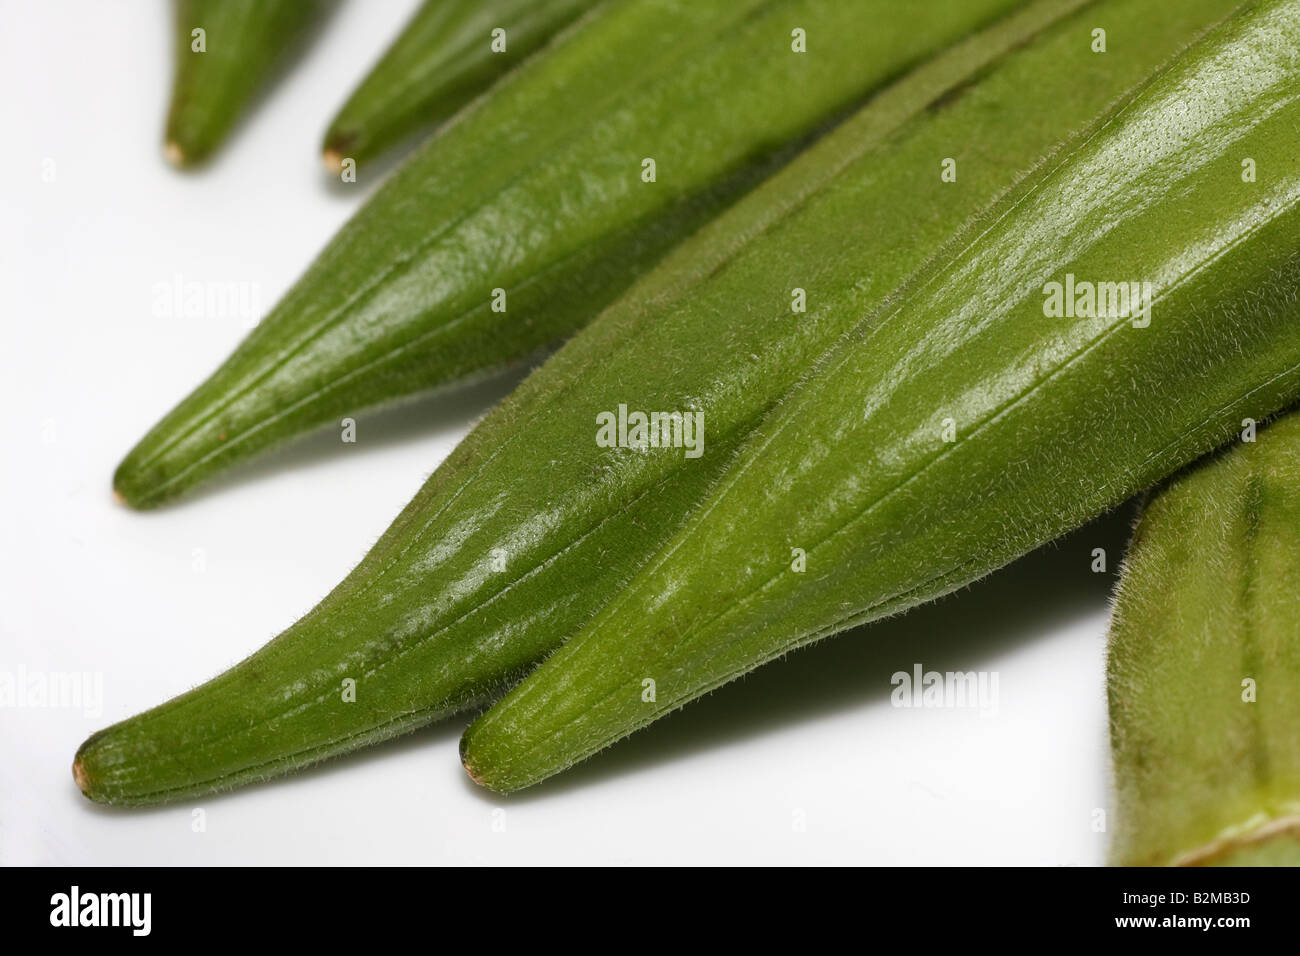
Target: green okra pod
[(225, 51), (994, 405), (530, 526), (536, 208), (1203, 673), (449, 52)]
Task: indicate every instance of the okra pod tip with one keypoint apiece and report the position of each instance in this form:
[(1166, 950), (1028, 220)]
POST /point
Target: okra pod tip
[(333, 159), (174, 155)]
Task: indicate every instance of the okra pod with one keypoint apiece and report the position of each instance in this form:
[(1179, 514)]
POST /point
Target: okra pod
[(449, 52), (539, 206), (225, 52), (1135, 300), (1204, 663), (531, 526)]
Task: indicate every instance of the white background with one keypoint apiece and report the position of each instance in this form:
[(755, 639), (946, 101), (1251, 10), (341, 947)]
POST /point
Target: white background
[(158, 602)]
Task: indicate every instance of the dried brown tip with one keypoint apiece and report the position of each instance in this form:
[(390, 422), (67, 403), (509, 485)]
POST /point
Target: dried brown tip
[(333, 160), (79, 775), (472, 775), (174, 154), (119, 497)]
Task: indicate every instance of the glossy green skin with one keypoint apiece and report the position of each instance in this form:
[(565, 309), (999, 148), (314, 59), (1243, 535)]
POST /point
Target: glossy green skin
[(247, 40), (441, 60), (1210, 596), (1056, 419), (425, 625), (537, 190)]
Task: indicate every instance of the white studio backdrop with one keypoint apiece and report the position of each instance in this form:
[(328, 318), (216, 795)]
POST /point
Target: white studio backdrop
[(806, 761)]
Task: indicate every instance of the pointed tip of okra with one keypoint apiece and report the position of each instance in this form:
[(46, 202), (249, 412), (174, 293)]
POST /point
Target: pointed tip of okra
[(474, 776), (474, 773), (185, 152), (140, 484), (79, 776), (340, 144), (96, 770), (486, 752), (83, 773), (333, 160), (127, 490), (174, 155)]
